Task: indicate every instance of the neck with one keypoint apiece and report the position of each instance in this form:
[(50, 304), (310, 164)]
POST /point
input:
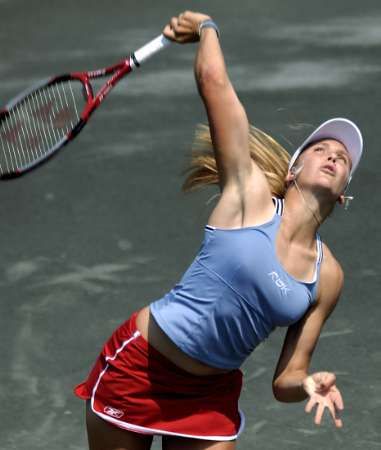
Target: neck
[(314, 214), (303, 215)]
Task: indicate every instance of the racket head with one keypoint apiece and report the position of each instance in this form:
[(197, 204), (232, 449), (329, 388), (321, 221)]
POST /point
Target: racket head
[(40, 121)]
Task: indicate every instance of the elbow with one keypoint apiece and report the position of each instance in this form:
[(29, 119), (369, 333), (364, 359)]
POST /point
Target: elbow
[(277, 393), (211, 78), (283, 396), (289, 391)]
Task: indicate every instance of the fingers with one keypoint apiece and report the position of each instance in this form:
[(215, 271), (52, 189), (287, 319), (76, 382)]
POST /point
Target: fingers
[(323, 392), (319, 413), (324, 380), (193, 17), (338, 423), (335, 415), (310, 404), (169, 33), (177, 26), (337, 399), (180, 29), (338, 405), (335, 405), (185, 18), (321, 405), (333, 401), (184, 27)]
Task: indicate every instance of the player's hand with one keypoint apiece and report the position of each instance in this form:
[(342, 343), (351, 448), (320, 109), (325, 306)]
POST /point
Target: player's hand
[(323, 392), (184, 28)]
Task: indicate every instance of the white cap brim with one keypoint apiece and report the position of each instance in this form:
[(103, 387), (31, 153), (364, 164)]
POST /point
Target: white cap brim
[(342, 130)]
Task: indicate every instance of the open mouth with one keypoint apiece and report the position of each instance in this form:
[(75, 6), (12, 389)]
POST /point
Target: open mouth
[(330, 170)]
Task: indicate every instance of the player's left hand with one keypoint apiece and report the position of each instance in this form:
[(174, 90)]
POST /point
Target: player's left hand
[(321, 388)]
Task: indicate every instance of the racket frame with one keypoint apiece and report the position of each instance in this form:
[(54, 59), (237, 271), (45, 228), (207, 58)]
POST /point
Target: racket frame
[(117, 71)]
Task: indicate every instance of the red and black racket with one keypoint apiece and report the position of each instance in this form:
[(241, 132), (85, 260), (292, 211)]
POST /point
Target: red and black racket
[(41, 120)]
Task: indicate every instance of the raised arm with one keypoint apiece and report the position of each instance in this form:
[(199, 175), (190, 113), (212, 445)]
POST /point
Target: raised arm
[(246, 196), (291, 381)]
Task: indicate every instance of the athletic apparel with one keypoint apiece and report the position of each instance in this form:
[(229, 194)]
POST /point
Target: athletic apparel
[(136, 388), (233, 295)]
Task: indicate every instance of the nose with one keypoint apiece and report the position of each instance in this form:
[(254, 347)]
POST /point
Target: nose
[(332, 157)]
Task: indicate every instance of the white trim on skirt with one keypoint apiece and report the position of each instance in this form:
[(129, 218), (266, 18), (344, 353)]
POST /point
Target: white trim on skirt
[(152, 431)]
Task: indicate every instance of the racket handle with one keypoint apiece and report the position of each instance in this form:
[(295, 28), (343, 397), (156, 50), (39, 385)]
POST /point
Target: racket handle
[(150, 49)]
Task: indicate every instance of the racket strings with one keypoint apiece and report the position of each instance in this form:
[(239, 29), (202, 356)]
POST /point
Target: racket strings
[(38, 123)]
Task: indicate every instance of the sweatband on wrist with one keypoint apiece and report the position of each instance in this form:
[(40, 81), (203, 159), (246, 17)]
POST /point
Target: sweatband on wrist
[(208, 23)]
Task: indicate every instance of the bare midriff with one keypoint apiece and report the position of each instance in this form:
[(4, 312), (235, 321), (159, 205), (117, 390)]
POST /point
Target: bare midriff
[(156, 337)]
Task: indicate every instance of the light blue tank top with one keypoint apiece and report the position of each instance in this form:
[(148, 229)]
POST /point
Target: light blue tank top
[(233, 295)]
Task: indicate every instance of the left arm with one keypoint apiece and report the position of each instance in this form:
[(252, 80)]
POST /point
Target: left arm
[(291, 382)]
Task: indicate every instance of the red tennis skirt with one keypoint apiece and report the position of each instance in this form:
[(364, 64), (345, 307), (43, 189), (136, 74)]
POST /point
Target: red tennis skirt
[(136, 388)]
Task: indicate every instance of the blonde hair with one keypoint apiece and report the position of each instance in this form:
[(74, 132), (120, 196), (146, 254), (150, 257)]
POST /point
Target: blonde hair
[(268, 154)]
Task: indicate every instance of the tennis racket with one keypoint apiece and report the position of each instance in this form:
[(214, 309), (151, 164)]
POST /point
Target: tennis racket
[(40, 121)]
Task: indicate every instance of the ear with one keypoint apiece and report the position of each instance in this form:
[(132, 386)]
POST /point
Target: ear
[(341, 200), (289, 179), (290, 176), (344, 200)]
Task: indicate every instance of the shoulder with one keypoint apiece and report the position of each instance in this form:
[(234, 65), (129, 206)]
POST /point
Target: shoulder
[(331, 279), (331, 269)]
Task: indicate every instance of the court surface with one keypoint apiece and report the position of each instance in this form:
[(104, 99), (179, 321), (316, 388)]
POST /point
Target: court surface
[(103, 229)]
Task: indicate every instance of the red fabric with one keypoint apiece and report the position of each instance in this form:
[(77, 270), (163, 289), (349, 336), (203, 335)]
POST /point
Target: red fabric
[(141, 387)]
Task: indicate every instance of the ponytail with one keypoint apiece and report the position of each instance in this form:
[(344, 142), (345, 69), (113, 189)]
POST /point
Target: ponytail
[(267, 153)]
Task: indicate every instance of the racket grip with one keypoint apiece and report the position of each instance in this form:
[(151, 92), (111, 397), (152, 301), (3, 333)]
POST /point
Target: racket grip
[(150, 49)]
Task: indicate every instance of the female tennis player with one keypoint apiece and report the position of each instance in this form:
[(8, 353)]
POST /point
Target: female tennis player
[(173, 368)]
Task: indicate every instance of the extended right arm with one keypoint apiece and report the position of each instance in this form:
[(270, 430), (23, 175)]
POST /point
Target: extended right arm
[(246, 197), (227, 118)]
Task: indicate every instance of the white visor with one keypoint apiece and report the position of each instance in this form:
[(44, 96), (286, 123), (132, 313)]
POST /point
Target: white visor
[(342, 130)]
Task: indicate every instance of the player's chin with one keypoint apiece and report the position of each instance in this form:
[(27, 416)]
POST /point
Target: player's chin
[(330, 187), (325, 189), (337, 181)]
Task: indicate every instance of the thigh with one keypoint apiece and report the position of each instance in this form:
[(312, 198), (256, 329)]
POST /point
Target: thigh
[(179, 443), (105, 436)]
